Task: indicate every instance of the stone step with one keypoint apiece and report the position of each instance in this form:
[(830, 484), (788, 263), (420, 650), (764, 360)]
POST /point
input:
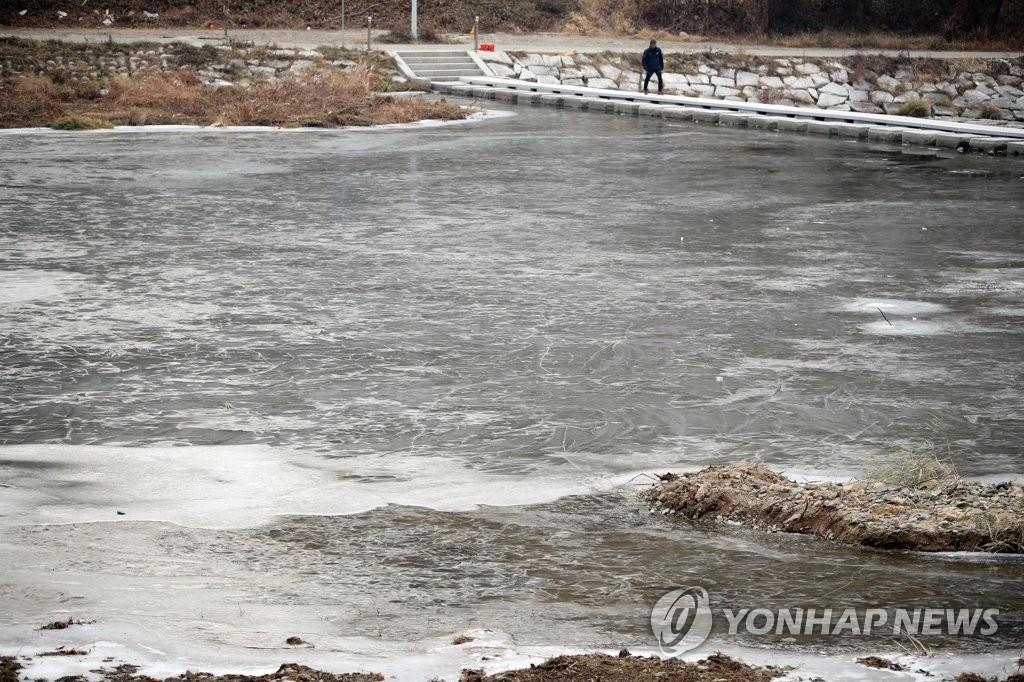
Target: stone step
[(415, 66), (433, 53), (446, 74), (438, 62), (441, 65)]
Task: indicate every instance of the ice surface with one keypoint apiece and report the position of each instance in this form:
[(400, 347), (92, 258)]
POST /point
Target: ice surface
[(233, 486), (348, 330)]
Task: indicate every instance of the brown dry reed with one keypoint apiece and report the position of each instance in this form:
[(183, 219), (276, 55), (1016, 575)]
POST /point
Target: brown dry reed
[(328, 98)]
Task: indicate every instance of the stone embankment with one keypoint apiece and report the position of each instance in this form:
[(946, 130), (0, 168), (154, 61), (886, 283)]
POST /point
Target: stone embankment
[(945, 514), (988, 90), (216, 65)]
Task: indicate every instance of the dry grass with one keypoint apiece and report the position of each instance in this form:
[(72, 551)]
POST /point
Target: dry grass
[(34, 100), (886, 41), (79, 123), (915, 465), (328, 98), (917, 108), (870, 66), (990, 113)]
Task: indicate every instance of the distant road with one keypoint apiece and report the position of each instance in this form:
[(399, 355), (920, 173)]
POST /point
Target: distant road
[(533, 42)]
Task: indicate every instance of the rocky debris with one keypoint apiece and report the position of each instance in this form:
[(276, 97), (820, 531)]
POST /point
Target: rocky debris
[(864, 84), (629, 668), (936, 515)]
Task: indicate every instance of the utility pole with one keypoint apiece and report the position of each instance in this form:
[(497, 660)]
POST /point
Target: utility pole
[(343, 23), (369, 25), (414, 32)]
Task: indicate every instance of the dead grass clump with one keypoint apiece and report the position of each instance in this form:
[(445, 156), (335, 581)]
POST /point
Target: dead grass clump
[(969, 64), (325, 99), (916, 108), (990, 113), (410, 109), (915, 465), (153, 99), (80, 123), (33, 100), (315, 99)]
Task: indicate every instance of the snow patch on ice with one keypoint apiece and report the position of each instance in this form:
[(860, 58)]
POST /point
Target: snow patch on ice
[(894, 305)]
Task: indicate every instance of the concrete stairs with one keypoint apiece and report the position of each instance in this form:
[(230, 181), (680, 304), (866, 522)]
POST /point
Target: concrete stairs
[(442, 66)]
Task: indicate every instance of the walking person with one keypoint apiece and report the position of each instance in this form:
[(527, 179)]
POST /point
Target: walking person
[(654, 64)]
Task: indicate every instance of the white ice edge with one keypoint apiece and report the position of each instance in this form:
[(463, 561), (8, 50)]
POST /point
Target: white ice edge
[(245, 485), (164, 654), (478, 115)]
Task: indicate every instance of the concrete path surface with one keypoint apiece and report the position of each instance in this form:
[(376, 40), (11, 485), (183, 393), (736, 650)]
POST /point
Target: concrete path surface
[(533, 42)]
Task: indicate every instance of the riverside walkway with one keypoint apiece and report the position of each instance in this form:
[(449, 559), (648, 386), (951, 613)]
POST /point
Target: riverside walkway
[(878, 127)]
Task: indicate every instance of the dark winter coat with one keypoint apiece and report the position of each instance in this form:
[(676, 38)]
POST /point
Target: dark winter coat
[(654, 60)]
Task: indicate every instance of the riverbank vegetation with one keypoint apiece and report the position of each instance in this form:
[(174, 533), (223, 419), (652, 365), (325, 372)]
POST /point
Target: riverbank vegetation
[(100, 85), (913, 24)]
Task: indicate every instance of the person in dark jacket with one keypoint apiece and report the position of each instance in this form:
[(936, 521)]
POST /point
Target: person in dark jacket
[(654, 64)]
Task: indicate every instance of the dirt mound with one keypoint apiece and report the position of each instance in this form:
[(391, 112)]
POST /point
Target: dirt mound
[(932, 516), (629, 668)]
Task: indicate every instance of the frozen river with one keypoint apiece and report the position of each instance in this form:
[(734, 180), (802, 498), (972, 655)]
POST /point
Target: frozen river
[(377, 388)]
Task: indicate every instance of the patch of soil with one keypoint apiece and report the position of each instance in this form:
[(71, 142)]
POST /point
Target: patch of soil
[(932, 516), (629, 668)]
